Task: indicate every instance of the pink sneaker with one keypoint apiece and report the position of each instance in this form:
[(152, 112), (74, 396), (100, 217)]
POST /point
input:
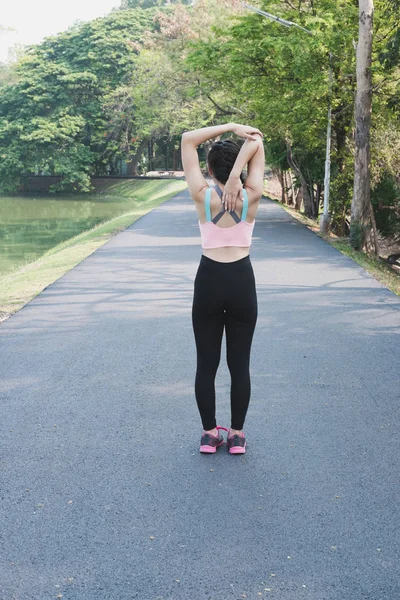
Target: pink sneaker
[(236, 444), (209, 442)]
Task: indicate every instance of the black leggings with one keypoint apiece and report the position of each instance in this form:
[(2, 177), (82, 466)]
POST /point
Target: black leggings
[(224, 295)]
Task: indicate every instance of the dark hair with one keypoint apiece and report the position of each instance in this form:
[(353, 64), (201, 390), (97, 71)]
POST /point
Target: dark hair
[(221, 158)]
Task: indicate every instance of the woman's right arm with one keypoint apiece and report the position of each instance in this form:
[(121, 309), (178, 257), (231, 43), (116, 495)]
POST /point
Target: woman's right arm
[(190, 159), (251, 154)]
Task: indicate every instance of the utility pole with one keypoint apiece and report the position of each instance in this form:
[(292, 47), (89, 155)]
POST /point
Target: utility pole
[(325, 218)]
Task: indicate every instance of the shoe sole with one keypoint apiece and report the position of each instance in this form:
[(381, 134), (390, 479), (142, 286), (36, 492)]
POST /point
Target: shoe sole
[(237, 449), (210, 449)]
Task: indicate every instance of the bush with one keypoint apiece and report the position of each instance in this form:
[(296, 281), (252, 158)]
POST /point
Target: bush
[(385, 198)]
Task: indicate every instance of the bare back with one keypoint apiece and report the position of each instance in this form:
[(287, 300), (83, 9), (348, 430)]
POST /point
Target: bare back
[(227, 253)]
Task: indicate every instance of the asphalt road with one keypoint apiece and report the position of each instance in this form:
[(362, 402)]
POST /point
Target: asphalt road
[(104, 494)]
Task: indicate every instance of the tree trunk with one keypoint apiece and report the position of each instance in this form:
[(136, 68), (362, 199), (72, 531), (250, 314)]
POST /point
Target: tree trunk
[(311, 191), (282, 183), (360, 229), (286, 182), (374, 229), (150, 154), (298, 199), (307, 199), (132, 166), (318, 198), (292, 190), (175, 156)]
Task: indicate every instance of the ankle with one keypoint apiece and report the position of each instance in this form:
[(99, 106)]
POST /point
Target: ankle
[(211, 431), (235, 432)]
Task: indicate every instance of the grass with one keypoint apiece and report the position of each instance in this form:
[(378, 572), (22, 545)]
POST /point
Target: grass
[(21, 286), (374, 265)]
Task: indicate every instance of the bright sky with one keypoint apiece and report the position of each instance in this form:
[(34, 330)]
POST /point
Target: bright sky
[(35, 19)]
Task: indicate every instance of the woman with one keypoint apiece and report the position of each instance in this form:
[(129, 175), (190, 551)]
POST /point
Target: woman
[(224, 287)]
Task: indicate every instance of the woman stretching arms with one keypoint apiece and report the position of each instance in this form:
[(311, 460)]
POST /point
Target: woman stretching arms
[(224, 287)]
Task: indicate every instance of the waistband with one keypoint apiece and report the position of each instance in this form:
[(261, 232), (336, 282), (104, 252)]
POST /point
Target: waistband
[(216, 264)]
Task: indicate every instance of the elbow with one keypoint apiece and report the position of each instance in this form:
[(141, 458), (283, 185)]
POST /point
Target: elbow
[(255, 145), (258, 141), (188, 140), (257, 188)]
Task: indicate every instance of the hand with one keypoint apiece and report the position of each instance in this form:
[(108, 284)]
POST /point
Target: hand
[(245, 131), (232, 191)]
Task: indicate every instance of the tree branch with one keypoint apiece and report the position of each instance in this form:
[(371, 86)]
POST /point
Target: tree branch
[(385, 80), (384, 37), (221, 110), (292, 6)]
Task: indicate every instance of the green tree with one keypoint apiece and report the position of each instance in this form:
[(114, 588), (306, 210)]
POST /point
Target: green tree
[(52, 120), (278, 77), (164, 96)]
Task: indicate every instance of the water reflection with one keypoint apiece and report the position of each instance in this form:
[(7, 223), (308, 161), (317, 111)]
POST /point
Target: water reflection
[(29, 225)]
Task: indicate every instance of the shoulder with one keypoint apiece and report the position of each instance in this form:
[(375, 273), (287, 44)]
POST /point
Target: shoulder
[(199, 195)]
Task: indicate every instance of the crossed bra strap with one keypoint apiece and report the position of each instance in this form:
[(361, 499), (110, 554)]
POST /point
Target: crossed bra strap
[(223, 209)]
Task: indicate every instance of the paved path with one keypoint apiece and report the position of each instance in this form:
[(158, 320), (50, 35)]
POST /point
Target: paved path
[(100, 431)]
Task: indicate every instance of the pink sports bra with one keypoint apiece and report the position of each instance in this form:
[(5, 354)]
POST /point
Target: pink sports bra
[(213, 236)]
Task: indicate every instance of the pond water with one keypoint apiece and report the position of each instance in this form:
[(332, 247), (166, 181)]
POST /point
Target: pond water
[(31, 225)]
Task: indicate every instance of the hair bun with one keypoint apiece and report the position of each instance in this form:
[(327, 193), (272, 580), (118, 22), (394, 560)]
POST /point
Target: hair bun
[(221, 158)]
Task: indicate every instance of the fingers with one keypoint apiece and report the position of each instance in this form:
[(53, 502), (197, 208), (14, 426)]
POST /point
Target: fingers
[(253, 135), (256, 132), (229, 198), (247, 132), (232, 201), (226, 200)]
